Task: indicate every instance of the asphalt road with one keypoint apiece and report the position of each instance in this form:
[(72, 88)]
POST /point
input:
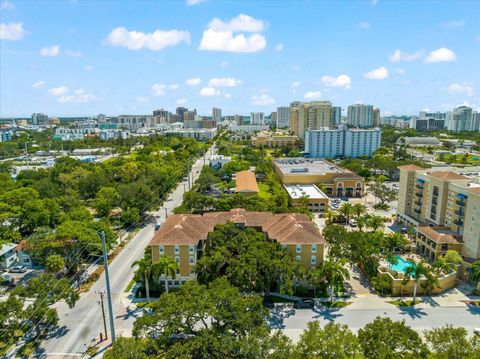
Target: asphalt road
[(417, 318), (80, 326)]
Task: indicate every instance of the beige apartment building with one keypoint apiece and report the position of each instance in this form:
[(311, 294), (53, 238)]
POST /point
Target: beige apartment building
[(184, 237), (274, 140), (444, 205), (310, 116)]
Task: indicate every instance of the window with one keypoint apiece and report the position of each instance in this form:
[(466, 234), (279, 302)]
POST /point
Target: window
[(298, 258), (162, 249), (191, 249), (177, 259), (176, 283), (191, 260), (314, 248), (314, 260), (177, 249), (298, 248), (192, 271)]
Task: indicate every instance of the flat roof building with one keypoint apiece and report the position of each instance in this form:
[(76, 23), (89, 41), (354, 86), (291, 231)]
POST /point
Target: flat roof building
[(307, 195)]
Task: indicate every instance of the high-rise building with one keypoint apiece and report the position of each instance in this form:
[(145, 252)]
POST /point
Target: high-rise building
[(336, 115), (460, 119), (283, 117), (294, 118), (180, 111), (313, 116), (39, 119), (342, 142), (360, 116), (274, 118), (216, 114), (475, 121), (161, 116), (189, 115), (377, 120), (256, 118)]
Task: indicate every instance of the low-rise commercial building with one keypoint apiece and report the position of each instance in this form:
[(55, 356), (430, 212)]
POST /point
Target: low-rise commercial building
[(334, 181), (443, 203), (419, 141), (307, 195), (219, 161), (273, 140), (184, 237)]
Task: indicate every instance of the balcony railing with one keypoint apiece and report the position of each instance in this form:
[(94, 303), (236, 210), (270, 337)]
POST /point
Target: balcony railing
[(419, 194), (458, 222), (434, 200), (418, 202), (419, 186), (417, 210), (461, 203), (460, 213)]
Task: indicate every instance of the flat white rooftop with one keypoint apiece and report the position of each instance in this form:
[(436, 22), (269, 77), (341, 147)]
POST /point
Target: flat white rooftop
[(306, 166), (296, 191)]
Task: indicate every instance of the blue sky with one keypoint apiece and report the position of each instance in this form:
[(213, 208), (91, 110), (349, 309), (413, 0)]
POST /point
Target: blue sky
[(69, 58)]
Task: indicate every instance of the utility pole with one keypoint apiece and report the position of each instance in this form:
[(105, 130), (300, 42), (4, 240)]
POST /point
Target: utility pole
[(189, 185), (109, 292), (103, 314), (166, 212)]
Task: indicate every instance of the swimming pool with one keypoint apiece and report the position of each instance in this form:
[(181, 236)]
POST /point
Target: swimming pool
[(401, 266)]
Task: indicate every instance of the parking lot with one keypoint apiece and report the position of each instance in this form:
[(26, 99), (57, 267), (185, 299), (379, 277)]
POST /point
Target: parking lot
[(19, 278)]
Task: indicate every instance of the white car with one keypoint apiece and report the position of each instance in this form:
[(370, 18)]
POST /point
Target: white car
[(352, 222), (476, 331)]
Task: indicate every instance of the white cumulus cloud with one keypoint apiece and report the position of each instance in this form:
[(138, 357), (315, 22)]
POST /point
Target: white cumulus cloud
[(465, 87), (143, 99), (78, 96), (399, 55), (339, 81), (209, 91), (295, 84), (263, 99), (39, 84), (173, 86), (158, 89), (73, 53), (279, 47), (224, 82), (193, 81), (378, 74), (50, 51), (13, 31), (194, 2), (441, 55), (312, 95), (230, 36), (58, 91), (157, 40), (181, 101)]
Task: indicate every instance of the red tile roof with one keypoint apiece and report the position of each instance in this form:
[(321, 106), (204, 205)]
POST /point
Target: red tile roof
[(436, 235), (448, 175), (246, 182), (285, 228), (410, 168)]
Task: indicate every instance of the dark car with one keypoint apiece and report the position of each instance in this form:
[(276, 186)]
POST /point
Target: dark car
[(304, 304), (157, 227), (268, 304), (18, 269)]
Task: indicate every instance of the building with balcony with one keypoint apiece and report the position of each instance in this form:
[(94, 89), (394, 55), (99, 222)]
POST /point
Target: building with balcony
[(274, 140), (184, 237), (443, 203)]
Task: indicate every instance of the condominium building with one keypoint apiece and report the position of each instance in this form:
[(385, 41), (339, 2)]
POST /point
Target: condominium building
[(184, 237), (180, 111), (256, 118), (342, 142), (377, 120), (336, 115), (360, 115), (283, 117), (444, 205), (333, 180), (216, 114), (460, 119), (273, 140), (39, 119), (294, 118), (313, 116)]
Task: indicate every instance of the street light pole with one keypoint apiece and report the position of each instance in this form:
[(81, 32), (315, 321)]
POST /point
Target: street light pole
[(103, 314), (109, 292)]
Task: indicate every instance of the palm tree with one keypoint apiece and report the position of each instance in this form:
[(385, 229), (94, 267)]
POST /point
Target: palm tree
[(359, 210), (315, 277), (144, 272), (416, 271), (475, 273), (168, 267), (334, 272), (330, 216), (346, 210), (376, 222), (362, 222)]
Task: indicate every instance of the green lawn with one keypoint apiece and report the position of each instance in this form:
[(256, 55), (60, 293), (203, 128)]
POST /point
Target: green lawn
[(264, 191), (471, 159), (404, 303)]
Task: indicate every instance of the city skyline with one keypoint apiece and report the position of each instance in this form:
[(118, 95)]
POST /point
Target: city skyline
[(240, 57)]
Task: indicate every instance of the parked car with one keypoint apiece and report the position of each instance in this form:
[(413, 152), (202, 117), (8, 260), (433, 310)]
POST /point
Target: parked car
[(7, 279), (304, 304), (476, 331), (157, 226), (18, 269), (352, 222), (320, 215)]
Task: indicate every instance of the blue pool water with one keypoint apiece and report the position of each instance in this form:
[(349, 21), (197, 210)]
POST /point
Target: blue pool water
[(401, 265)]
